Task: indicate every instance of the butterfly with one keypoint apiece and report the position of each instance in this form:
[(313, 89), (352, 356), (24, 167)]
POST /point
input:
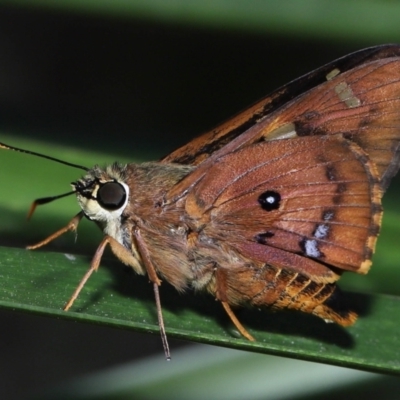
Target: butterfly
[(267, 209)]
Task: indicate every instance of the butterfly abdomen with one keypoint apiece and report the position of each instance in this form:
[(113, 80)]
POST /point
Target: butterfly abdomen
[(320, 299), (280, 288)]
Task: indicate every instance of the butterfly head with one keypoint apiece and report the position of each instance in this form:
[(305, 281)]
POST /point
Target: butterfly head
[(102, 193)]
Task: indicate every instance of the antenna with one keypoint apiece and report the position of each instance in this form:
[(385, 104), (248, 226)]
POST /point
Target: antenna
[(43, 200), (7, 147)]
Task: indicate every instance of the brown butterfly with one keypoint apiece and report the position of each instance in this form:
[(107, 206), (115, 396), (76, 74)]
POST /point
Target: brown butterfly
[(267, 209)]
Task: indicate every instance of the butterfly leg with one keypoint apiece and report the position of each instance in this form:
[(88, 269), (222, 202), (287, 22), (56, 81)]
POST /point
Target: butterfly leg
[(221, 296), (94, 265), (151, 271), (127, 258), (236, 322), (71, 226)]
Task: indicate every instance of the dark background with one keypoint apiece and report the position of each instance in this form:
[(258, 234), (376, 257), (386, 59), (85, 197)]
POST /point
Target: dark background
[(145, 84)]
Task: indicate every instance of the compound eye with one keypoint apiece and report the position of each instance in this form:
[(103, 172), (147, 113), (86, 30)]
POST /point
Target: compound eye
[(111, 195)]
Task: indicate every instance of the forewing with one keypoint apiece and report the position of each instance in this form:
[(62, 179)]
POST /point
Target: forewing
[(361, 103), (203, 146)]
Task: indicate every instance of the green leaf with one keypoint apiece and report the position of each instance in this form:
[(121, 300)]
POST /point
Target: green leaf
[(39, 282)]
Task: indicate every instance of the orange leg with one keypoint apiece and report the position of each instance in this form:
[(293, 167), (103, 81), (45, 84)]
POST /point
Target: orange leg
[(127, 258), (120, 251), (236, 322), (151, 271), (71, 226), (94, 265), (221, 285)]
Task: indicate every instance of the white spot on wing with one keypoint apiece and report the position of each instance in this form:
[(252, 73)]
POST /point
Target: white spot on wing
[(270, 199), (332, 74), (286, 131), (311, 248), (328, 215), (345, 93), (321, 231)]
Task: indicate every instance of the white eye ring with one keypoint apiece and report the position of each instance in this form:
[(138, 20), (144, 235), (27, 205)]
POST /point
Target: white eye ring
[(95, 211)]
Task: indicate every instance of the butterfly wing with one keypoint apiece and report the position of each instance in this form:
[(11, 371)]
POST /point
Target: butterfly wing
[(363, 105), (357, 96), (203, 146), (291, 188), (302, 204)]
